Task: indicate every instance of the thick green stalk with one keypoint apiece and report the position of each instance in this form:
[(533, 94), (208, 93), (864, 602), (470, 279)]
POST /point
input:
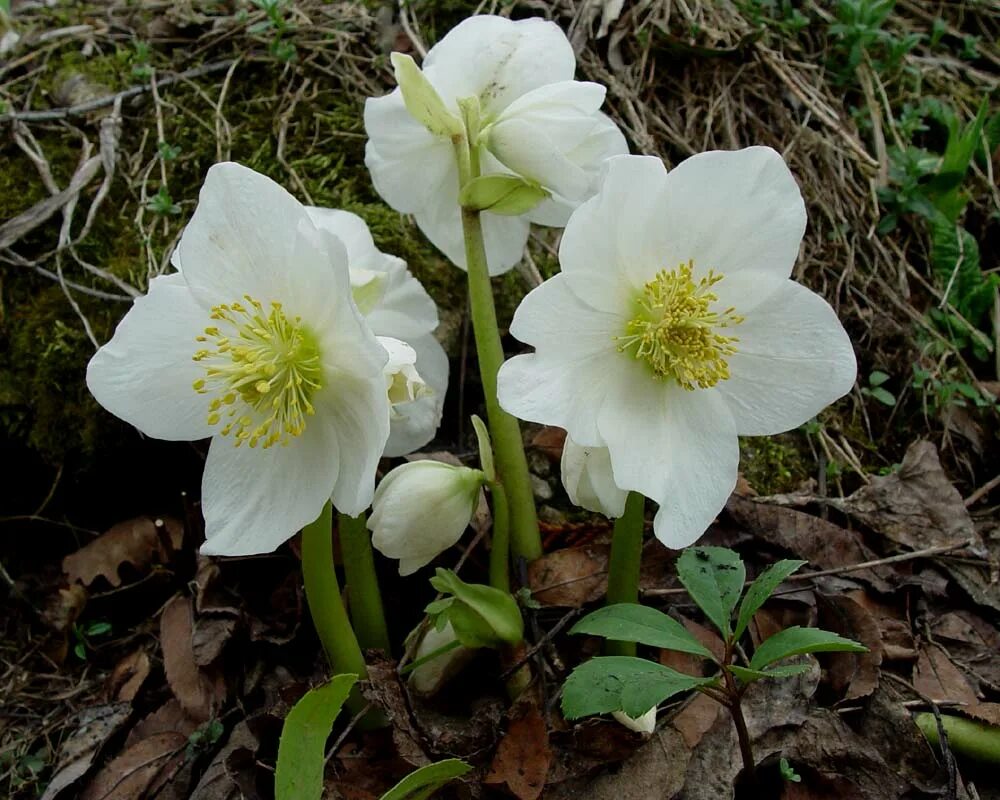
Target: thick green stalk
[(500, 552), (623, 567), (323, 595), (512, 466), (362, 584)]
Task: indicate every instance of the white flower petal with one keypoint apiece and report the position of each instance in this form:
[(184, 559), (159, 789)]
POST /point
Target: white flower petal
[(503, 237), (532, 154), (676, 447), (144, 375), (589, 480), (754, 202), (414, 424), (358, 410), (405, 310), (644, 724), (615, 241), (793, 359), (409, 166), (244, 234), (353, 234), (255, 499), (498, 60)]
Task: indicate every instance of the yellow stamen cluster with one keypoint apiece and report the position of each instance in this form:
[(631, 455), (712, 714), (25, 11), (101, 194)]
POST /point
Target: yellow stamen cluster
[(262, 369), (675, 331)]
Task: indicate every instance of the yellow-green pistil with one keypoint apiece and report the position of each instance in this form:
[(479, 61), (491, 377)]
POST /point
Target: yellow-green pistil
[(675, 331), (262, 368)]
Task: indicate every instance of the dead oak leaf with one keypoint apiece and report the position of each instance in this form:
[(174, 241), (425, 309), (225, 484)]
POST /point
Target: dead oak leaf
[(141, 771), (524, 755), (570, 577), (200, 691), (936, 677), (139, 542)]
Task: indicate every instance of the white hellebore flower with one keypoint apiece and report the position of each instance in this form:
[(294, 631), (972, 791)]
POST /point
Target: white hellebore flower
[(644, 724), (674, 327), (533, 120), (257, 343), (395, 306), (588, 479), (421, 509)]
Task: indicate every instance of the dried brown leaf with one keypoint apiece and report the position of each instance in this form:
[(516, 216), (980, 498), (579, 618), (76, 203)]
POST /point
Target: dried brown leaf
[(141, 770), (522, 760), (940, 680), (852, 675), (570, 577), (127, 677), (200, 691), (96, 726), (139, 542)]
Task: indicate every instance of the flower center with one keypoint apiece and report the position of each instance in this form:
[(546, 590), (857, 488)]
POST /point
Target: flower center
[(262, 368), (675, 332)]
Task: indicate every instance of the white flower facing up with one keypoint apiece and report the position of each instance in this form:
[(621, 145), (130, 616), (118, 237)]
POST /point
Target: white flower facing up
[(674, 326), (421, 509), (395, 306), (256, 343), (534, 121), (589, 481)]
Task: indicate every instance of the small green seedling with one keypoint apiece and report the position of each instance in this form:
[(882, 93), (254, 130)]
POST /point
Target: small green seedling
[(204, 737), (714, 577), (298, 774), (84, 633), (876, 390), (162, 203), (788, 772)]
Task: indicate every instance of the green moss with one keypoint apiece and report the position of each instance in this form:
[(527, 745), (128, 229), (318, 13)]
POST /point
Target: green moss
[(773, 464)]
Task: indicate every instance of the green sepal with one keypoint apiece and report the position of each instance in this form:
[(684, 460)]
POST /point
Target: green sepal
[(481, 616), (507, 195), (422, 100)]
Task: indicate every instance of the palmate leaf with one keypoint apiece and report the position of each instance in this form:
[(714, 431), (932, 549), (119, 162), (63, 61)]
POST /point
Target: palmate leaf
[(796, 641), (760, 590), (428, 779), (630, 622), (622, 683), (301, 758), (714, 578)]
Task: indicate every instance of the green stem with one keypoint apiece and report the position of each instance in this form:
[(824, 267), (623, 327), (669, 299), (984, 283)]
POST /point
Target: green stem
[(512, 466), (323, 595), (623, 567), (362, 584), (500, 552)]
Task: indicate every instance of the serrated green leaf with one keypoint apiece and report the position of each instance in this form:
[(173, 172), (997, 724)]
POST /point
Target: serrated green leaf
[(301, 757), (760, 590), (751, 675), (427, 780), (714, 578), (630, 622), (509, 195), (795, 641), (604, 684)]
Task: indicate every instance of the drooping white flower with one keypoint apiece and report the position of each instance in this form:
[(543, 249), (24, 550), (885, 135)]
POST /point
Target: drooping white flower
[(394, 304), (421, 509), (534, 121), (588, 479), (256, 343), (644, 724), (674, 327)]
